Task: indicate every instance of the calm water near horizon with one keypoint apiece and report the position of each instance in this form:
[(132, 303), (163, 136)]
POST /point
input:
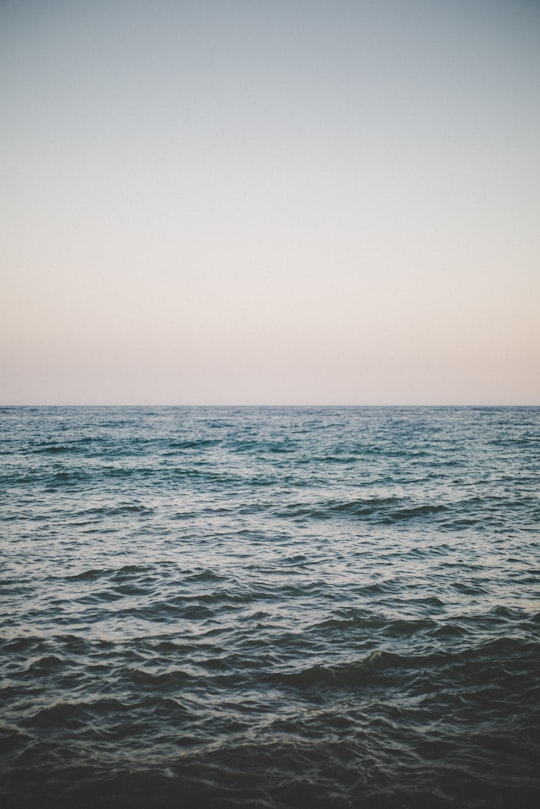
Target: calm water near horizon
[(270, 607)]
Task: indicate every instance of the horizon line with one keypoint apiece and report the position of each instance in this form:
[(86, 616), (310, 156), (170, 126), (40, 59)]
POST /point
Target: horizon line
[(263, 405)]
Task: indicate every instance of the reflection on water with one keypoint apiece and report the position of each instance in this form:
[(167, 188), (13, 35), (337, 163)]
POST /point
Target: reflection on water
[(282, 607)]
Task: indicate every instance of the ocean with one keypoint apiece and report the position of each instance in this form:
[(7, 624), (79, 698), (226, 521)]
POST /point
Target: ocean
[(270, 607)]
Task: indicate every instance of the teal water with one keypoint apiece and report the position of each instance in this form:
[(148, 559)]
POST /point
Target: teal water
[(270, 607)]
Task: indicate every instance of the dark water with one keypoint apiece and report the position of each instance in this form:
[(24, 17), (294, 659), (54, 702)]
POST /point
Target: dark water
[(270, 607)]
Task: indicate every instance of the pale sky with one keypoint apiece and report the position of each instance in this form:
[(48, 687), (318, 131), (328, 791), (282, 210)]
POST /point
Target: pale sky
[(270, 202)]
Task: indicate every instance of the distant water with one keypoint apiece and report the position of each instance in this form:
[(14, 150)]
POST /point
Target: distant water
[(270, 607)]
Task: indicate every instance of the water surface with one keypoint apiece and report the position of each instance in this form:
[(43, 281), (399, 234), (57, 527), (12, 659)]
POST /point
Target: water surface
[(270, 607)]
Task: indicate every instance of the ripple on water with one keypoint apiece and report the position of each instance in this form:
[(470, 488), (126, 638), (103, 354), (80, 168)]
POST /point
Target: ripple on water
[(270, 608)]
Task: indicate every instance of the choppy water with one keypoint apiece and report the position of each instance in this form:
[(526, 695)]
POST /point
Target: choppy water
[(268, 608)]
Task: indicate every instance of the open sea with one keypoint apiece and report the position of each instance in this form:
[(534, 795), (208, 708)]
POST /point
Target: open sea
[(269, 608)]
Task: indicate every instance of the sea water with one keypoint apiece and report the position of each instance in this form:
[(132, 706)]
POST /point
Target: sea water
[(270, 607)]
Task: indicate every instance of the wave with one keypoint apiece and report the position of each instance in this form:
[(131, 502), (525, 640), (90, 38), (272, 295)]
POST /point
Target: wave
[(383, 508), (116, 509), (125, 571), (169, 679), (348, 674), (171, 448), (52, 449), (76, 714), (479, 664)]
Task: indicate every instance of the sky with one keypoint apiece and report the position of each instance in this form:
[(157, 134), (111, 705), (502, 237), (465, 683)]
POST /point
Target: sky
[(316, 202)]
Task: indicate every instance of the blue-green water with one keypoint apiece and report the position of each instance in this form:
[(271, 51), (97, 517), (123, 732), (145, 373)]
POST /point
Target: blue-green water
[(270, 607)]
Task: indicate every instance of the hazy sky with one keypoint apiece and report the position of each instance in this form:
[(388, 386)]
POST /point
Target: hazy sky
[(267, 202)]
